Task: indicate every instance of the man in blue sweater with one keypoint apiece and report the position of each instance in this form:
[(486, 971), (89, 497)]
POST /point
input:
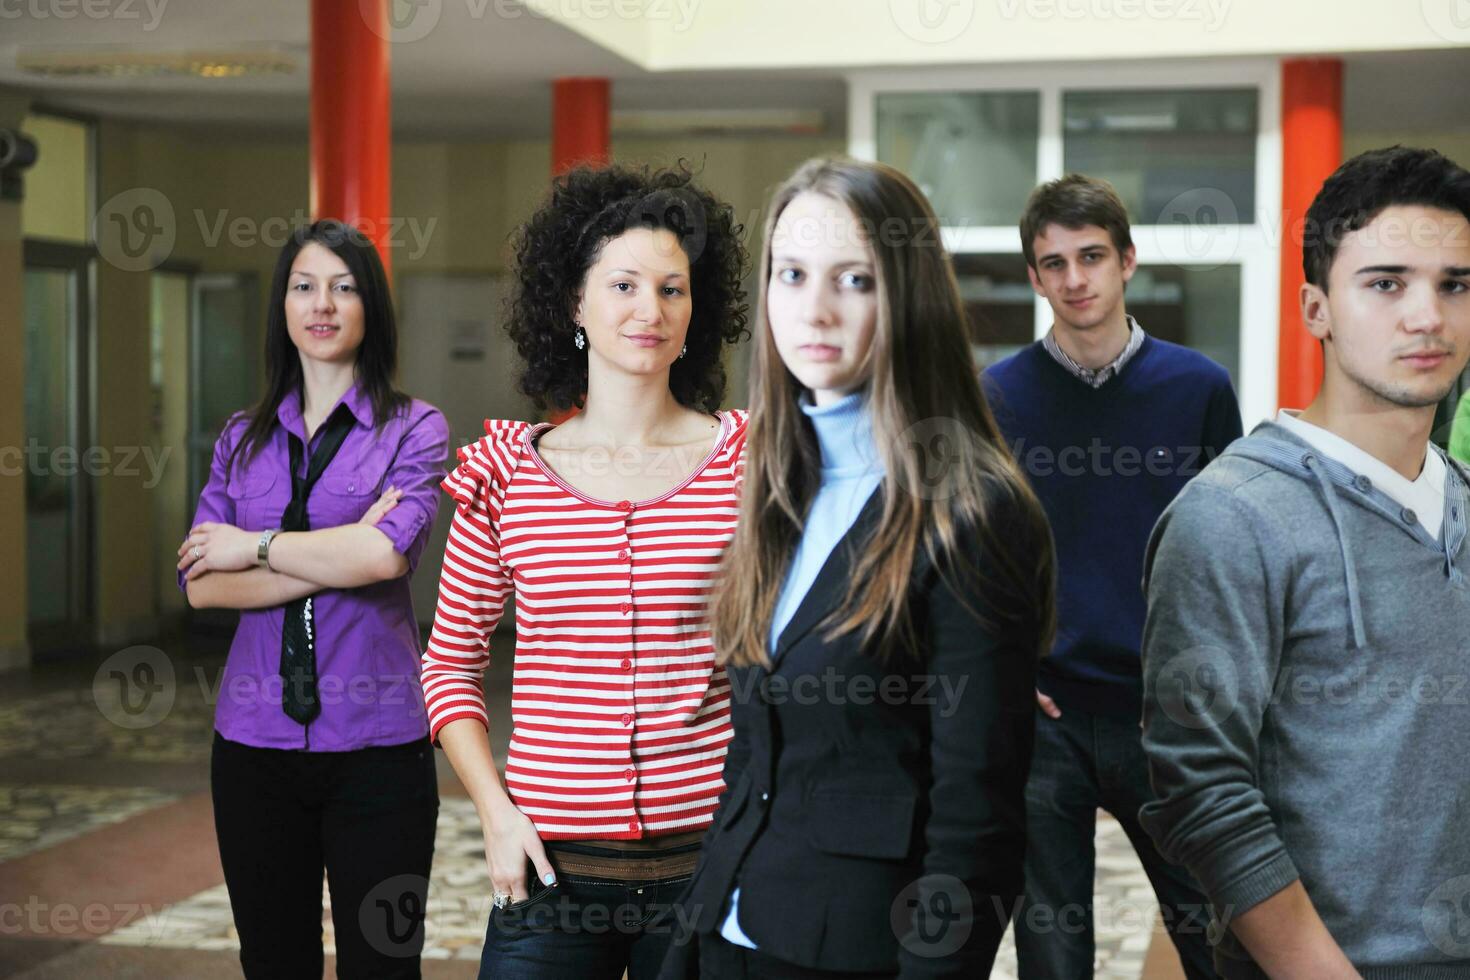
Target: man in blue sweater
[(1109, 424)]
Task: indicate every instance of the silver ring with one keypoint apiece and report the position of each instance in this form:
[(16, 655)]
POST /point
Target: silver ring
[(197, 555), (501, 901)]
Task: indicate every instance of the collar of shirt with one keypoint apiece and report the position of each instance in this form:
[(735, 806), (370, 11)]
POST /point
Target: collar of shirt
[(1107, 372), (288, 413), (1424, 495)]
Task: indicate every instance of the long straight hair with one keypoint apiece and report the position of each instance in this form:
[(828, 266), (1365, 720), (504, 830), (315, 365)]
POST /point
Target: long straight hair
[(921, 384), (377, 358)]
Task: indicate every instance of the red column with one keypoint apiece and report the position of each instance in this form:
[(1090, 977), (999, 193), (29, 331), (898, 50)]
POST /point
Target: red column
[(350, 129), (580, 122), (1311, 149)]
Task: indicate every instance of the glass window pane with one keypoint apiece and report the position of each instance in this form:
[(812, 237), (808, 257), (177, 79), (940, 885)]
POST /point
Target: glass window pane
[(50, 322), (55, 202), (1197, 308), (1000, 304), (972, 153), (1155, 145)]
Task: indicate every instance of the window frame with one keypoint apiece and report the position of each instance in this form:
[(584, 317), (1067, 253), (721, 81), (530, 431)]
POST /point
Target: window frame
[(1253, 243)]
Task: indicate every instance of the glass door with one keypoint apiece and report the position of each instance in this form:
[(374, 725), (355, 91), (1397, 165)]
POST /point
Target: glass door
[(224, 377), (58, 409)]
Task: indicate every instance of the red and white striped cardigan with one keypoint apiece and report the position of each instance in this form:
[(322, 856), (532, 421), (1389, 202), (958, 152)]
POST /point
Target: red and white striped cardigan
[(620, 716)]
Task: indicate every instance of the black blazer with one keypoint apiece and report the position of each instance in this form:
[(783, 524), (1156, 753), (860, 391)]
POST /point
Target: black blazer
[(874, 820)]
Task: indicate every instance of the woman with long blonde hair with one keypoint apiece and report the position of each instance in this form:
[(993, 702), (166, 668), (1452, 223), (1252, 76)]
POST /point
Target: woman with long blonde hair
[(882, 609)]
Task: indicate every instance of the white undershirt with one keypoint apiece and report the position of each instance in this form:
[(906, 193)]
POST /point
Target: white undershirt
[(1424, 496)]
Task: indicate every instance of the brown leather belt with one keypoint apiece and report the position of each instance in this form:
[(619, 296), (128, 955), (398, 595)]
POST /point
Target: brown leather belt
[(656, 859)]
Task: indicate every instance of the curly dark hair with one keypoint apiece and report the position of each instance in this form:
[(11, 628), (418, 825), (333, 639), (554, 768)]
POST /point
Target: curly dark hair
[(554, 249)]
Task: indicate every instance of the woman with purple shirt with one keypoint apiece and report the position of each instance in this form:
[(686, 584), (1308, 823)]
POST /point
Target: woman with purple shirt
[(319, 502)]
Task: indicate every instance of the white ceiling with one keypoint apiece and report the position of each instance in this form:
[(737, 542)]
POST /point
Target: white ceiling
[(483, 73), (478, 73)]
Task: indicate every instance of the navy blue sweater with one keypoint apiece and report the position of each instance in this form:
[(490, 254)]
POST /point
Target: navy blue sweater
[(1105, 463)]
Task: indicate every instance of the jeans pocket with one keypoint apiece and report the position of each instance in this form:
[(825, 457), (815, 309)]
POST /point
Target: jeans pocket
[(536, 913)]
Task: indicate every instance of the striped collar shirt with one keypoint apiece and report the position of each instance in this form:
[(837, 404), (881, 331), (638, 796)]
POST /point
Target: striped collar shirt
[(1107, 372), (619, 715)]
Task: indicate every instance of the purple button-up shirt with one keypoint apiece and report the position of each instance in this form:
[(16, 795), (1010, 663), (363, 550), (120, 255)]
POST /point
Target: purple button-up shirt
[(367, 640)]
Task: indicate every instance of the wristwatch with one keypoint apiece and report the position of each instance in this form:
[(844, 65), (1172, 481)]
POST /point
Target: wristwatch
[(263, 549)]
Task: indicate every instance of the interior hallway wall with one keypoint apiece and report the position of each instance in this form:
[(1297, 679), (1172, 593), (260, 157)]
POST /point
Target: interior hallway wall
[(14, 648), (232, 201)]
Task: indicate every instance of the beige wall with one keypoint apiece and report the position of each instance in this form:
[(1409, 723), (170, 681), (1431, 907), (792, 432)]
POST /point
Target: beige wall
[(14, 649), (459, 204), (1455, 145), (123, 524)]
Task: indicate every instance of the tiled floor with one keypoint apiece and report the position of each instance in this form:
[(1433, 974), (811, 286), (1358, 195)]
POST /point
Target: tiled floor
[(107, 858)]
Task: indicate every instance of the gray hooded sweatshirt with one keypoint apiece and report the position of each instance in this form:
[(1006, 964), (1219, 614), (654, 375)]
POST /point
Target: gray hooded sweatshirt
[(1306, 705)]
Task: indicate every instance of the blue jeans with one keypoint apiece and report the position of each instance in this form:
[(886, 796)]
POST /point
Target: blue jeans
[(1081, 763), (584, 929)]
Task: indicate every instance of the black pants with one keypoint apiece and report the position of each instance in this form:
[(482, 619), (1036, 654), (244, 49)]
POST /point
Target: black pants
[(720, 959), (367, 816), (1083, 762)]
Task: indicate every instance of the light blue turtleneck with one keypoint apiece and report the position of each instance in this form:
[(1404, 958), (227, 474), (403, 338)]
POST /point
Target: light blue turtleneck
[(851, 471)]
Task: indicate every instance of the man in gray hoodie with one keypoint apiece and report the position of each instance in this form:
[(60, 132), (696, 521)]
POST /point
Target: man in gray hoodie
[(1307, 645)]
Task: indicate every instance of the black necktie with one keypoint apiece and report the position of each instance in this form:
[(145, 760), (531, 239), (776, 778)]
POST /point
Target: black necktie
[(298, 643)]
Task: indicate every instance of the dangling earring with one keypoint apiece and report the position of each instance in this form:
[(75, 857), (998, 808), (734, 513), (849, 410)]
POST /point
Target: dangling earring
[(580, 339), (684, 351)]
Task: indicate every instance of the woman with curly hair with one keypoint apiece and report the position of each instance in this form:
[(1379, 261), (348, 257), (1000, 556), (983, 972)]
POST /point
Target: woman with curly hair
[(609, 528)]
